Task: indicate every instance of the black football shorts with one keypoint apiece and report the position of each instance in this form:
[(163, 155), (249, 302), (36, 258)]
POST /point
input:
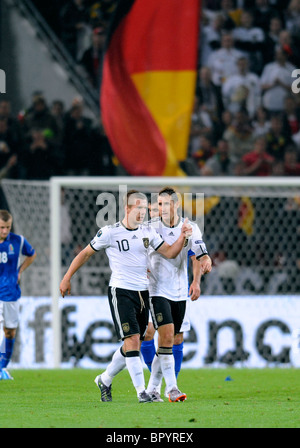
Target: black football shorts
[(130, 311), (165, 311)]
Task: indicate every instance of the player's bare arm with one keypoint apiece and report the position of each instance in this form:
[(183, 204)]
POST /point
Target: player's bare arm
[(206, 264), (195, 291), (200, 267), (172, 251), (79, 260)]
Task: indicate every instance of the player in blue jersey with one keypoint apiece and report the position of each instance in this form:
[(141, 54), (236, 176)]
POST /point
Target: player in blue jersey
[(12, 248)]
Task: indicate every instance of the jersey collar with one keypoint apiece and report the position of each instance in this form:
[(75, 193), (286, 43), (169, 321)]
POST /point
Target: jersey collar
[(130, 230)]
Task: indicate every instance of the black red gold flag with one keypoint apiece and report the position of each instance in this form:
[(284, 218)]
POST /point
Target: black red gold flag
[(148, 83)]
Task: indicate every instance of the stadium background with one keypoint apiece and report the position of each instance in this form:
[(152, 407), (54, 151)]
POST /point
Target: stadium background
[(50, 125)]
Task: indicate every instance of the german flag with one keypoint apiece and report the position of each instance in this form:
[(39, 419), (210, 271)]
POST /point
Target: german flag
[(148, 83), (246, 216)]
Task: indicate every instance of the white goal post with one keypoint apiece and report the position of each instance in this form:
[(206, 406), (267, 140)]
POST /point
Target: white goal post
[(235, 186)]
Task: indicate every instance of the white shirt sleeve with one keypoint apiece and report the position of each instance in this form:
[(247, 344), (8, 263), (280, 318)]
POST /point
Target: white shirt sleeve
[(155, 239), (101, 240), (197, 244)]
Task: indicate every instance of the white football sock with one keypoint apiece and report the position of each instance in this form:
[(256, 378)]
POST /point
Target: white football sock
[(156, 375), (167, 364), (117, 364), (135, 369)]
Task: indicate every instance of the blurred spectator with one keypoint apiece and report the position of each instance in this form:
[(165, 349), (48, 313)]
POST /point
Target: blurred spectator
[(239, 135), (58, 113), (242, 90), (7, 167), (100, 163), (92, 57), (11, 146), (40, 117), (261, 124), (12, 123), (200, 124), (292, 16), (224, 123), (277, 140), (222, 62), (40, 160), (6, 156), (291, 116), (276, 82), (287, 43), (204, 151), (272, 39), (101, 12), (9, 137), (257, 162), (211, 37), (74, 19), (209, 96), (291, 163), (231, 15), (77, 141), (250, 40), (262, 13), (220, 164)]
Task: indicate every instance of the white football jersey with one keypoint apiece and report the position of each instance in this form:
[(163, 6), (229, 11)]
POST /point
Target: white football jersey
[(169, 277), (127, 251)]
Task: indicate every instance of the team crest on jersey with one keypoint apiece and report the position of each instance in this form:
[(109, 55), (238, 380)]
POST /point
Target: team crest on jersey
[(11, 250), (99, 233), (159, 317), (126, 327), (146, 242)]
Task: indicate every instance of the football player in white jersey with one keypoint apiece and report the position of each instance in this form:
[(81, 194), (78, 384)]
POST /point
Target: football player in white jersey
[(148, 349), (126, 244), (168, 286)]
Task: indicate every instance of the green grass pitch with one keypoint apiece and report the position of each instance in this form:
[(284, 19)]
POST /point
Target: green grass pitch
[(254, 398)]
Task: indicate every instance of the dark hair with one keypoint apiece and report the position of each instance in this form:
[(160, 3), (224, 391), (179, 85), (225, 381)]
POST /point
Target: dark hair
[(170, 192)]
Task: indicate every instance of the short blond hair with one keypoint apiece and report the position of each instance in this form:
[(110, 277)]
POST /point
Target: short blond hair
[(134, 194), (5, 215)]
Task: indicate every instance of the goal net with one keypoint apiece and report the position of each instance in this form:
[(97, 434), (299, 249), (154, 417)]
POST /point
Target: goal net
[(250, 226)]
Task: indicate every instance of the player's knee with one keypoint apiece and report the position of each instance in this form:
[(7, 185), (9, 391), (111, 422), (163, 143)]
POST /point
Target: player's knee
[(166, 335), (10, 333), (132, 343), (178, 338), (149, 333)]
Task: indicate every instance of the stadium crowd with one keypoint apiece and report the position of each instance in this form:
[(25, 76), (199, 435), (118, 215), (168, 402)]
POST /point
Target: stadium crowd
[(246, 118)]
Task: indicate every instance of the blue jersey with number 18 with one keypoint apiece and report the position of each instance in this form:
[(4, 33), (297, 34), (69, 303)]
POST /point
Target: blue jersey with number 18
[(11, 250)]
